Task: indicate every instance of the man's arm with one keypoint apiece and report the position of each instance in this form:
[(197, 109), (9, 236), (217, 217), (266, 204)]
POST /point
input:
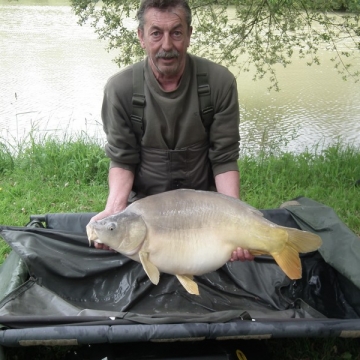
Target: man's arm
[(228, 183), (120, 185)]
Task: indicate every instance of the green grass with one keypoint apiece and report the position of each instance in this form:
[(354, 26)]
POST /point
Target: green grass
[(327, 176), (43, 175)]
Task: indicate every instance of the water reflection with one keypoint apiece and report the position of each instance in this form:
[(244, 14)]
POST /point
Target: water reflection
[(314, 102), (53, 72)]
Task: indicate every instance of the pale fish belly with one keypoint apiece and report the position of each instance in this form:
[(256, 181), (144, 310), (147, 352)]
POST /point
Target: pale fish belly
[(190, 251)]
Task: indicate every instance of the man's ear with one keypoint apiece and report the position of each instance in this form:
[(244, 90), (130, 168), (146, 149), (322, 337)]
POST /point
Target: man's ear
[(190, 32), (140, 34)]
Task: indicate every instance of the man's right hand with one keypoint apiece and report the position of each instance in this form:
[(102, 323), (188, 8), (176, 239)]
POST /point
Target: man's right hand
[(101, 215), (120, 185)]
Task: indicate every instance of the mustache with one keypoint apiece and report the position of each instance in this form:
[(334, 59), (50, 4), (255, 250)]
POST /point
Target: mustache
[(167, 54)]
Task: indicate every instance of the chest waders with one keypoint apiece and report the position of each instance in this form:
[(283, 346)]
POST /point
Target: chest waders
[(161, 169)]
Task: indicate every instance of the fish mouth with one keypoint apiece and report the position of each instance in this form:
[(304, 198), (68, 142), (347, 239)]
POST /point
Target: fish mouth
[(91, 234)]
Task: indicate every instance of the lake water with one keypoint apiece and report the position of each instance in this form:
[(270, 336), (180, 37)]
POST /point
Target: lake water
[(53, 72)]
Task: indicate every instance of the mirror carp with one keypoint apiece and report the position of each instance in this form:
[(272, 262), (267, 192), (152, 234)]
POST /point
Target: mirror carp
[(190, 232)]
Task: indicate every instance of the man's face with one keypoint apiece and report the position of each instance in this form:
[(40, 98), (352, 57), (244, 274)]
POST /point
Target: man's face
[(165, 38)]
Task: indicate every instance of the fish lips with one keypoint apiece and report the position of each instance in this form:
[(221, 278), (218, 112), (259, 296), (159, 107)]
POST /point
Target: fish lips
[(91, 234)]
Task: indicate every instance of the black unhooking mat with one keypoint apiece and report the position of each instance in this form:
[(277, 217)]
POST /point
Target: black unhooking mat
[(54, 286)]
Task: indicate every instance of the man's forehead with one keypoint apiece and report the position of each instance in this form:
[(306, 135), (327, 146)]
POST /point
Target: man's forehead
[(155, 16)]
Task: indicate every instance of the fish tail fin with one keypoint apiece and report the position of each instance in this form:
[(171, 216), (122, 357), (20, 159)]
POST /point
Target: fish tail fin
[(298, 242), (289, 261), (303, 241)]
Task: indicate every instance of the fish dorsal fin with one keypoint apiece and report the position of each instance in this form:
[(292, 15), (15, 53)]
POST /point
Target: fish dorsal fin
[(189, 284), (251, 208), (244, 205), (151, 270)]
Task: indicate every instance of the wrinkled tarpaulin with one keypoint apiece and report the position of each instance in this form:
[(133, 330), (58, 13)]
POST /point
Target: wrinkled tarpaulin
[(54, 286)]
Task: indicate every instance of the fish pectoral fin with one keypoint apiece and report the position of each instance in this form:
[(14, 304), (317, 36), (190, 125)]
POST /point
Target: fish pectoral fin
[(151, 270), (289, 261), (189, 284)]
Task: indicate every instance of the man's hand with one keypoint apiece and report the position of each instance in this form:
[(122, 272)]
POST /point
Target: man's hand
[(120, 185), (101, 215), (241, 255), (228, 183)]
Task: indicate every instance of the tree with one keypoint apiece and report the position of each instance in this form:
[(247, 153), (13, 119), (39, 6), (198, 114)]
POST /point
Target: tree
[(258, 33)]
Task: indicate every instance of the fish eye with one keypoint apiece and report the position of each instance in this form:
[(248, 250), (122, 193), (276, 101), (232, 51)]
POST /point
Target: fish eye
[(111, 226)]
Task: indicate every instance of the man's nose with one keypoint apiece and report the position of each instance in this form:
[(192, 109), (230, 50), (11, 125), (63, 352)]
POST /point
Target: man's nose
[(167, 42)]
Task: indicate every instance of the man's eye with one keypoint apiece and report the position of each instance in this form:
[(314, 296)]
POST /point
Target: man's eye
[(177, 35)]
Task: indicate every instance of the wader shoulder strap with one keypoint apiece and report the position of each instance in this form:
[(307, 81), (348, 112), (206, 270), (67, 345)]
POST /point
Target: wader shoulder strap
[(138, 99), (204, 92)]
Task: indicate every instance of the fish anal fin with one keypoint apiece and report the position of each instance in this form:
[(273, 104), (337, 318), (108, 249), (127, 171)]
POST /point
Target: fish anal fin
[(289, 261), (151, 270), (189, 284), (258, 252)]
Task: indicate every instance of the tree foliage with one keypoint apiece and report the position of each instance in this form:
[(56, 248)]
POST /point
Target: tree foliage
[(249, 33)]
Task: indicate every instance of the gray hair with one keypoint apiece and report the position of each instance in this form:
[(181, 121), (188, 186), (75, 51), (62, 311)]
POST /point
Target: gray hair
[(162, 5)]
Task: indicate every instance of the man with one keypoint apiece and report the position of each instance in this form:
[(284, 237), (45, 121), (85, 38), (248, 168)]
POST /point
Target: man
[(176, 149)]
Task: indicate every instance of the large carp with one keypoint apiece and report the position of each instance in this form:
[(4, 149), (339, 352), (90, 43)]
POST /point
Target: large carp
[(189, 232)]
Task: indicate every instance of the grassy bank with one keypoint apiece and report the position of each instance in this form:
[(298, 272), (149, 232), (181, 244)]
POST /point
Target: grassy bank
[(70, 175), (43, 175)]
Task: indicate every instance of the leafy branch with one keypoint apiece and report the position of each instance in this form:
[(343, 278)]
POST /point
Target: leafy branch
[(259, 34)]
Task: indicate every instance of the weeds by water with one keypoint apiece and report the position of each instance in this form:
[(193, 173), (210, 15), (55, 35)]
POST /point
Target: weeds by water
[(44, 175)]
